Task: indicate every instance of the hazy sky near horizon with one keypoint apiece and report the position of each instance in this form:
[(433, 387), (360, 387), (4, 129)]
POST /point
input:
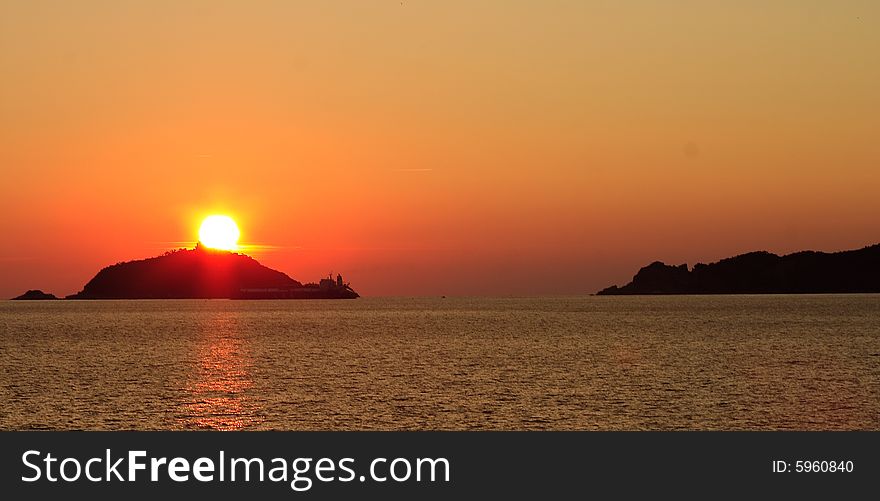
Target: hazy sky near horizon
[(479, 147)]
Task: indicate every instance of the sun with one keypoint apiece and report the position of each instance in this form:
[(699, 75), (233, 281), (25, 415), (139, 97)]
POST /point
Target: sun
[(219, 232)]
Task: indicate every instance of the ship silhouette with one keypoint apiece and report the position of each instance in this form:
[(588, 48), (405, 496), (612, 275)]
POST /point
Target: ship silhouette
[(327, 288)]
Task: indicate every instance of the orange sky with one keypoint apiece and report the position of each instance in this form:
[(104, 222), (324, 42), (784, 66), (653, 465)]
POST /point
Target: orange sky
[(494, 147)]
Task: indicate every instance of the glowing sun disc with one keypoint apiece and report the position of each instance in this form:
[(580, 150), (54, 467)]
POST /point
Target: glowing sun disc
[(219, 232)]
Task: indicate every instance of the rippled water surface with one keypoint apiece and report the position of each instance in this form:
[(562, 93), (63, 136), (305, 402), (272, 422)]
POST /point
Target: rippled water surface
[(677, 362)]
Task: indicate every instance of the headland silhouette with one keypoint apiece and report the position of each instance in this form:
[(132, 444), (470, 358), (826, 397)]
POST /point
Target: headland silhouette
[(805, 272)]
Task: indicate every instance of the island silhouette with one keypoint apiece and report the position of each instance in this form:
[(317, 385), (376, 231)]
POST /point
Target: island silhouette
[(201, 273), (34, 294), (806, 272)]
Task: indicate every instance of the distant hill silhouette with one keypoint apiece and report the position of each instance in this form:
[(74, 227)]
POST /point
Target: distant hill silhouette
[(34, 295), (199, 273), (763, 273)]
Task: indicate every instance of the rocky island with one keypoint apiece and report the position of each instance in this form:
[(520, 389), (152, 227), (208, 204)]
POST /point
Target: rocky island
[(204, 273), (806, 272), (34, 295)]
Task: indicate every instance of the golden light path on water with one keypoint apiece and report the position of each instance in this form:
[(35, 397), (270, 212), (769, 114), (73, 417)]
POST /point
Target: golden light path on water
[(220, 380), (591, 363)]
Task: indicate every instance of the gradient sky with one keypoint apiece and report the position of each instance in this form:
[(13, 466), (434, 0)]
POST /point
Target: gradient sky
[(454, 147)]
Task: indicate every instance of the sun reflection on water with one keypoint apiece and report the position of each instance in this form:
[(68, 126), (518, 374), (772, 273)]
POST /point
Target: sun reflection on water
[(218, 392)]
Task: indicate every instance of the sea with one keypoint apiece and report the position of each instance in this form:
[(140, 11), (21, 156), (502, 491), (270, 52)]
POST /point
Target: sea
[(751, 362)]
